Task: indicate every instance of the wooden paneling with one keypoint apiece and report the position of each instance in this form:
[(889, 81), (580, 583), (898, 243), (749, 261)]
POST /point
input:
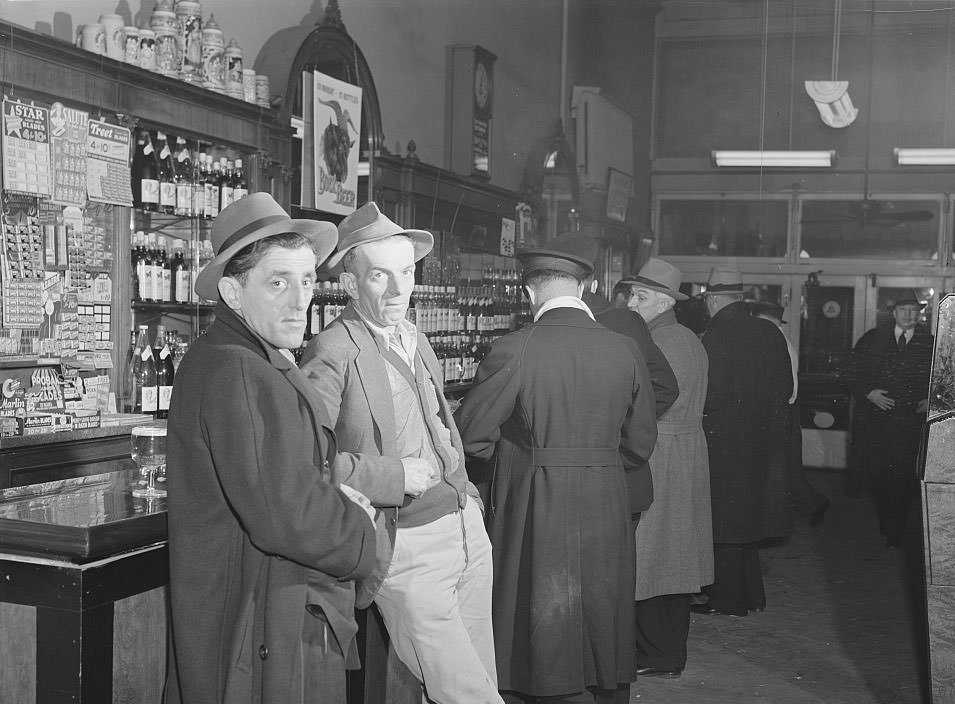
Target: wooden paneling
[(18, 653), (941, 622), (139, 647), (939, 502), (940, 452)]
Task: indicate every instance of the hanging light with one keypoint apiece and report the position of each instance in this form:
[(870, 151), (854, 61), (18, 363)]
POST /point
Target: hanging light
[(934, 156), (775, 159)]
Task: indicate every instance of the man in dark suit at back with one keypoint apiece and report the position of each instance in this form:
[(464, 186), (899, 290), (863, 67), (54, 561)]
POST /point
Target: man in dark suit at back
[(888, 375), (749, 378)]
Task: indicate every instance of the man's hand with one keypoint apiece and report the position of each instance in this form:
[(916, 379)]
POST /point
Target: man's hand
[(420, 475), (922, 407), (880, 399), (360, 499)]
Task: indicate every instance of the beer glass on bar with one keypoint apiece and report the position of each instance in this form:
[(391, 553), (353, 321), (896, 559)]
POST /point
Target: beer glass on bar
[(149, 452)]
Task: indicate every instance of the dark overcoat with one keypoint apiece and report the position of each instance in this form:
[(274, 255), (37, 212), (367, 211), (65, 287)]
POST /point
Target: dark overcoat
[(564, 405), (877, 364), (750, 377), (259, 536)]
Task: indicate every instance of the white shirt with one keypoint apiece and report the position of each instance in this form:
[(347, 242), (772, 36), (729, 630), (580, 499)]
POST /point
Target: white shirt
[(563, 302), (908, 334)]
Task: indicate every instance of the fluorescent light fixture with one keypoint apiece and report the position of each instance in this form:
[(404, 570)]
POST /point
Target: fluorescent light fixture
[(924, 157), (779, 159)]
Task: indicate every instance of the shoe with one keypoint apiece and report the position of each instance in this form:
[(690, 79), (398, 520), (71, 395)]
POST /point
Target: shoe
[(657, 672), (819, 515), (703, 609), (891, 541)]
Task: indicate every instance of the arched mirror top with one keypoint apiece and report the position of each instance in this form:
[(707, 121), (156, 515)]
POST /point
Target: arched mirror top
[(327, 48)]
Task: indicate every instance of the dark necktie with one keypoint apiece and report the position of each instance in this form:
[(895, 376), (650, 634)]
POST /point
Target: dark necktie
[(902, 342)]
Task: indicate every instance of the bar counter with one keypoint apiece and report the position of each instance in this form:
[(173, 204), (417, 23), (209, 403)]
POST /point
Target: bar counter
[(83, 575)]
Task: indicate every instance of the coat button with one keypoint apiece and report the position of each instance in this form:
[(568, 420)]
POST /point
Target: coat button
[(263, 652)]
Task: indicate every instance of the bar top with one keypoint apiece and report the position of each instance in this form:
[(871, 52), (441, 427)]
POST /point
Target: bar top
[(81, 518)]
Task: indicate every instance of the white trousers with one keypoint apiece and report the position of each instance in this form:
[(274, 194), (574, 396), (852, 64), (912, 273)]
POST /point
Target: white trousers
[(436, 604)]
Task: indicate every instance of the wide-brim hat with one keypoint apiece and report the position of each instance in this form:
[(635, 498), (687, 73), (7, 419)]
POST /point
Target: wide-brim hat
[(369, 224), (252, 218), (569, 253), (662, 276), (908, 297), (724, 280)]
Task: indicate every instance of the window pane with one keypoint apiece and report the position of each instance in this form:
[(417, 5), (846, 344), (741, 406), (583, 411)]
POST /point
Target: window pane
[(732, 228), (900, 229)]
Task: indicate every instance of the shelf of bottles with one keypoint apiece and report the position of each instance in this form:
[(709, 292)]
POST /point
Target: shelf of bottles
[(460, 320), (179, 187)]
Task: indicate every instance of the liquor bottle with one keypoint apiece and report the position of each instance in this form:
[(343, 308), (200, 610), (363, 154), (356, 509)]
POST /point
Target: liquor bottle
[(165, 372), (184, 176), (127, 393), (239, 184), (199, 186), (146, 169), (134, 265), (146, 270), (144, 374), (226, 189), (181, 279), (212, 188), (167, 176), (163, 270)]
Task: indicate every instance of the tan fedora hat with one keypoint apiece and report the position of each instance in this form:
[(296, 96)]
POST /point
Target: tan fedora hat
[(369, 224), (724, 280), (662, 276), (252, 218)]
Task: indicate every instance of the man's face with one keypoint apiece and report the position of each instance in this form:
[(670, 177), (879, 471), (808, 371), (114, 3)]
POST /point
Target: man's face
[(275, 297), (382, 280), (907, 315), (644, 302)]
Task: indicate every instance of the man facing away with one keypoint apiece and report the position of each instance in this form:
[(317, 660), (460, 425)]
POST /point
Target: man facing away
[(888, 375), (675, 535), (565, 406), (749, 377), (398, 445), (804, 498), (262, 544)]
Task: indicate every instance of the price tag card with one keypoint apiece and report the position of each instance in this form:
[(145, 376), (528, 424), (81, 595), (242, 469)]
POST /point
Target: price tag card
[(68, 131), (107, 167), (26, 148)]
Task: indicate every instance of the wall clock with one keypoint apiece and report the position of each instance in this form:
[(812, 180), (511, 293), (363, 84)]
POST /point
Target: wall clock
[(469, 110)]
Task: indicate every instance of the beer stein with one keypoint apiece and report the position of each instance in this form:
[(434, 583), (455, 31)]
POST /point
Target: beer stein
[(91, 37), (115, 38)]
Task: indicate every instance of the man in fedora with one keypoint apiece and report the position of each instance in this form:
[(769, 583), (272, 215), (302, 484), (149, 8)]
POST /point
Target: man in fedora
[(888, 374), (749, 376), (787, 453), (398, 445), (565, 407), (674, 538), (262, 542)]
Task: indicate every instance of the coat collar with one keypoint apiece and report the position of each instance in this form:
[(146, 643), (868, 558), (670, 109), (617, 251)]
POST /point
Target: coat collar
[(566, 316), (667, 317), (234, 330)]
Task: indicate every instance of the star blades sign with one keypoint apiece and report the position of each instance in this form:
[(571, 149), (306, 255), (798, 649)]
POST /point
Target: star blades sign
[(337, 125)]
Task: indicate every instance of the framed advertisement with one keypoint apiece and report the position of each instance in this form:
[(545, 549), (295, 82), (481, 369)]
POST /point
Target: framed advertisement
[(619, 186)]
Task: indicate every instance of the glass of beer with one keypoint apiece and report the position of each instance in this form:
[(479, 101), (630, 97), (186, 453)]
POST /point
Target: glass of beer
[(149, 452)]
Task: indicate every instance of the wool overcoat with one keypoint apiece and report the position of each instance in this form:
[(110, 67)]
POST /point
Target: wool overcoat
[(675, 534), (750, 378), (259, 536), (564, 406)]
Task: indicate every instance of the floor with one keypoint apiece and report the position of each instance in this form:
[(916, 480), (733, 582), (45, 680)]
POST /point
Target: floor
[(843, 622)]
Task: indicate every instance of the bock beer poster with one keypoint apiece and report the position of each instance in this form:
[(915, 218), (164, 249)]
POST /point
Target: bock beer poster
[(337, 118)]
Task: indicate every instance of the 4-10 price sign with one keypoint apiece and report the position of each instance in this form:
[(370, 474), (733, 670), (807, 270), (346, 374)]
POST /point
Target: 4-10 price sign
[(107, 163), (26, 148)]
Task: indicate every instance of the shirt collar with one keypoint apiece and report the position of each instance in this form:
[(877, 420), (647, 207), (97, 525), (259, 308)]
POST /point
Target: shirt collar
[(404, 330), (563, 302), (908, 333)]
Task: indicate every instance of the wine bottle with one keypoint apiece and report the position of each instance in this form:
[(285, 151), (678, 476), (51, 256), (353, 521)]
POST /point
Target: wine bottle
[(147, 172), (165, 372), (226, 190), (167, 176), (240, 187), (181, 278), (147, 394), (184, 174)]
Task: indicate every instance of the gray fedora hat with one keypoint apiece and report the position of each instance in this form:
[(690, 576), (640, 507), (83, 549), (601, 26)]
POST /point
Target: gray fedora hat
[(255, 217), (724, 280), (662, 276), (369, 224)]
